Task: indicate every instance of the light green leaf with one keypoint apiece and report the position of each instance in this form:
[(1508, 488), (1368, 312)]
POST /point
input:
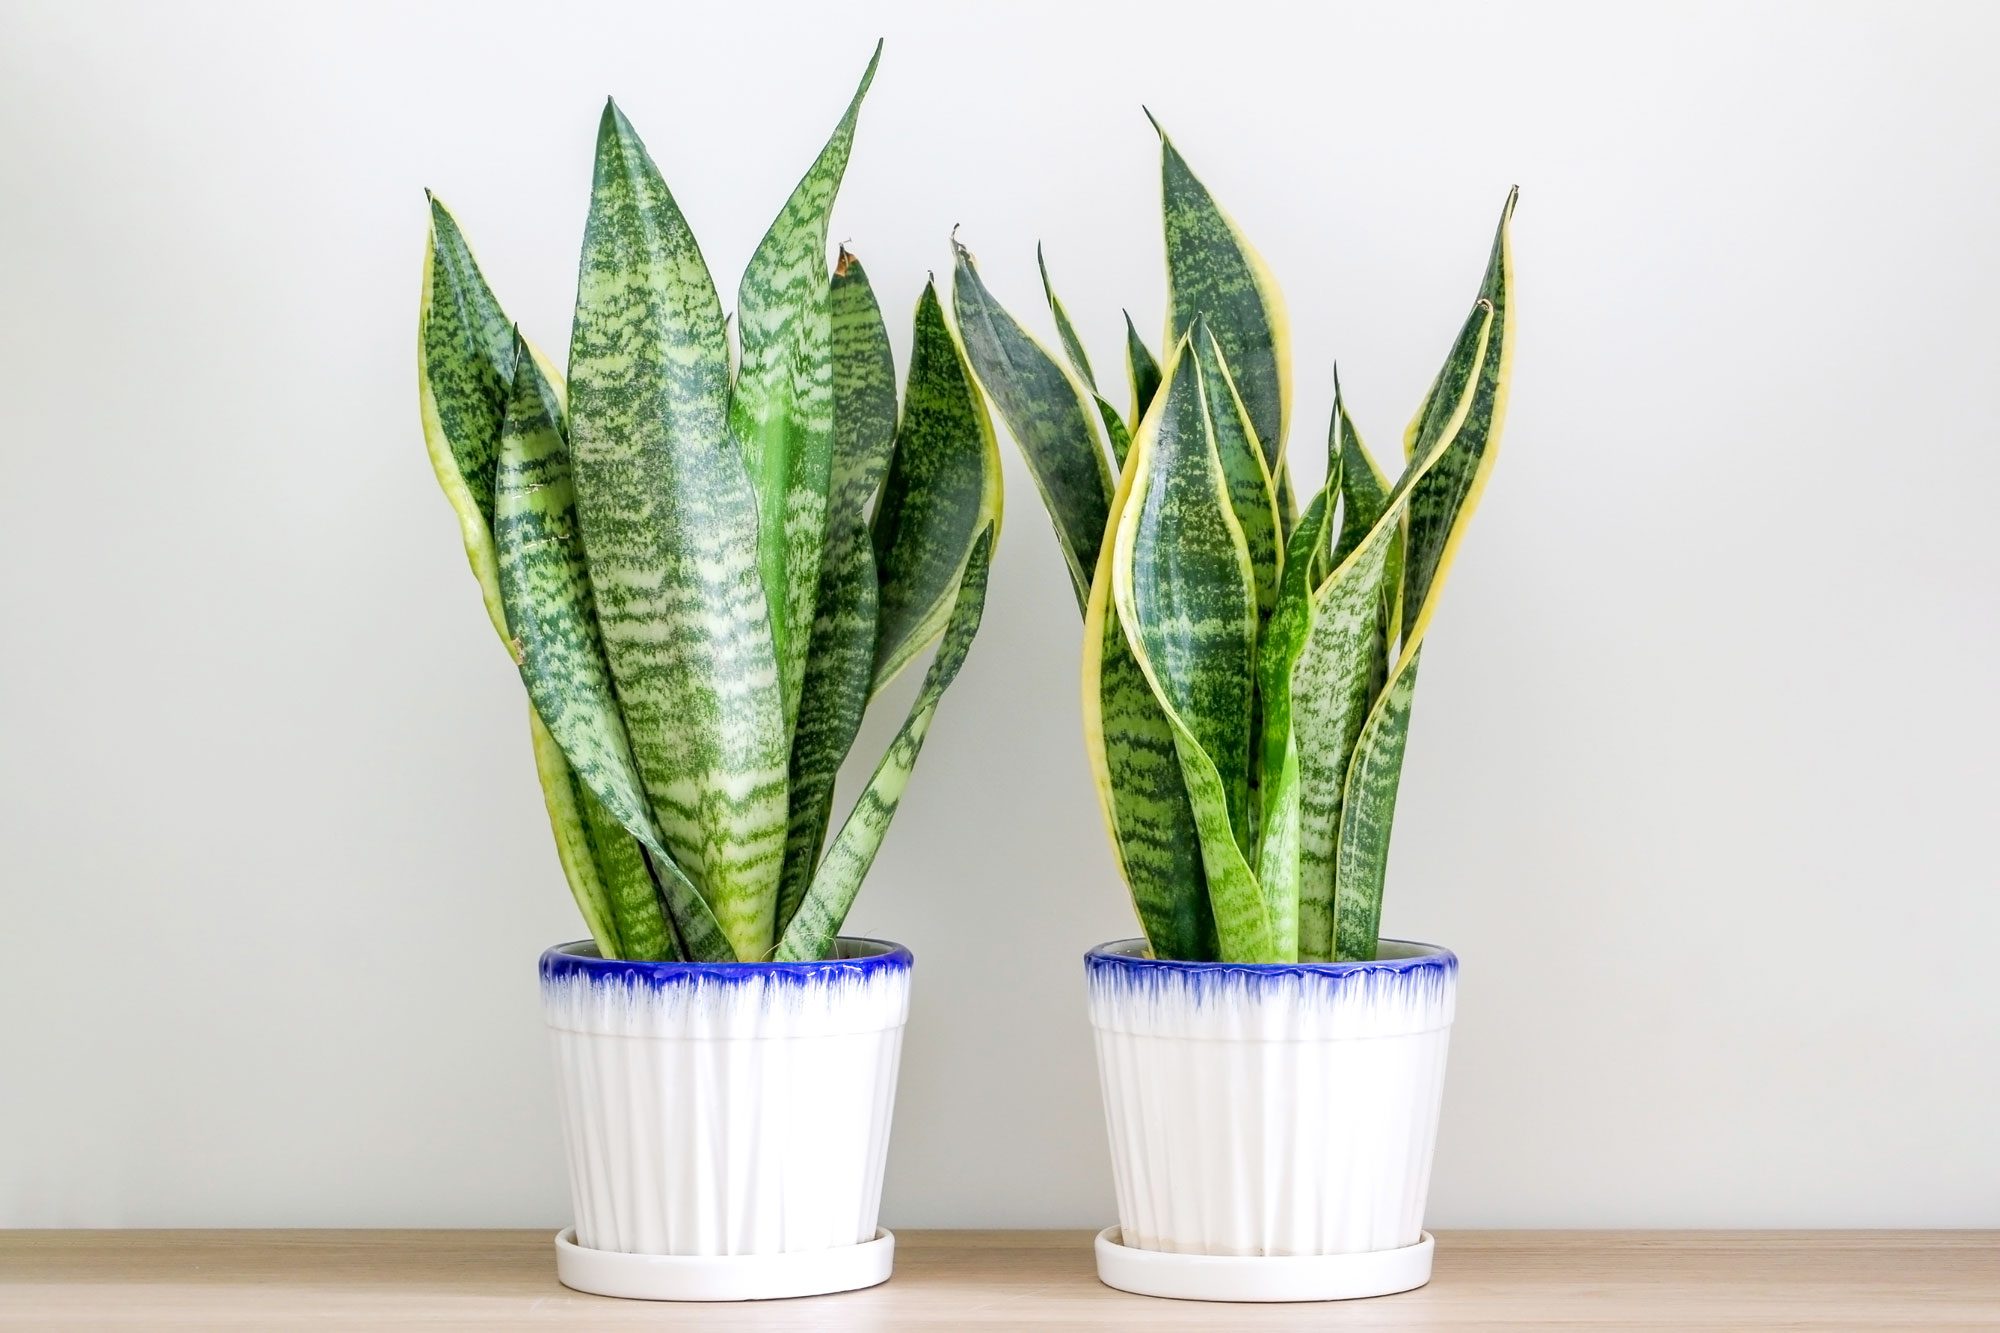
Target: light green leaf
[(1046, 414), (552, 625), (943, 487), (669, 521), (817, 923), (1143, 371), (782, 411), (1213, 271), (1114, 426), (1464, 445), (1340, 672), (465, 365), (1185, 593), (841, 666)]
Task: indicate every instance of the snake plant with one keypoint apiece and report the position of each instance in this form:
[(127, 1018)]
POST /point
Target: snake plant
[(1248, 669), (705, 567)]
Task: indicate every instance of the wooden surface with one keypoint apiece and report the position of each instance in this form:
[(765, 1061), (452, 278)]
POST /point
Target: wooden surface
[(1000, 1279)]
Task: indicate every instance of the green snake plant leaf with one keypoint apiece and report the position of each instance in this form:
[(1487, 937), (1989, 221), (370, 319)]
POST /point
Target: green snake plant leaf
[(465, 367), (552, 628), (669, 521), (1441, 503), (1213, 272), (782, 409), (1114, 425), (1137, 770), (815, 925), (1339, 676), (1279, 644), (1045, 412), (1252, 495), (1184, 590), (1142, 370), (1445, 498), (943, 487), (563, 796), (840, 668)]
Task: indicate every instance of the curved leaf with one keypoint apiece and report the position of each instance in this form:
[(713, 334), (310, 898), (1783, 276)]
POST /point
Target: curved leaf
[(1252, 496), (1142, 370), (465, 364), (1185, 593), (1114, 425), (782, 409), (1046, 414), (669, 520), (817, 923), (1339, 676), (943, 487), (841, 666), (1445, 495), (1213, 271)]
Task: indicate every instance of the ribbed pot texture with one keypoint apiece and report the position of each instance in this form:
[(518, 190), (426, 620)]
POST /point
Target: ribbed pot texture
[(726, 1109), (1272, 1109)]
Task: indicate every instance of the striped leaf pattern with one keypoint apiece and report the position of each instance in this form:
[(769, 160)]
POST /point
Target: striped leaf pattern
[(1248, 672), (669, 518), (1046, 414), (465, 368), (1213, 273), (1143, 370), (1464, 448), (1341, 670), (817, 922), (840, 669), (1114, 425), (782, 408), (688, 559), (1184, 590), (943, 487)]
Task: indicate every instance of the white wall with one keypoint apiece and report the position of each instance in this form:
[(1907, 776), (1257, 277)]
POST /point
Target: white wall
[(1703, 773)]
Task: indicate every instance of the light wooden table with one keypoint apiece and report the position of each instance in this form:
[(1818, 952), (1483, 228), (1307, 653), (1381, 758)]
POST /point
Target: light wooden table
[(1000, 1279)]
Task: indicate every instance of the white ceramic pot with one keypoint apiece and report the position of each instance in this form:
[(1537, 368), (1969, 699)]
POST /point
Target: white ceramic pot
[(1271, 1125), (727, 1123)]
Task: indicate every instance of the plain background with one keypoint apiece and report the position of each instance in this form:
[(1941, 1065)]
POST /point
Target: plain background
[(1702, 783)]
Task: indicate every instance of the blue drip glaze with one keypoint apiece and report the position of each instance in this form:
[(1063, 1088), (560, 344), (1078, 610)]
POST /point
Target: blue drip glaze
[(1122, 963), (579, 959)]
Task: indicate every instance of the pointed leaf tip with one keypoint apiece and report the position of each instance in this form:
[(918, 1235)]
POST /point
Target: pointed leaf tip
[(1154, 121)]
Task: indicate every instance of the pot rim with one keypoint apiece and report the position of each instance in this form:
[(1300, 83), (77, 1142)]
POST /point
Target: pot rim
[(579, 958), (1128, 955)]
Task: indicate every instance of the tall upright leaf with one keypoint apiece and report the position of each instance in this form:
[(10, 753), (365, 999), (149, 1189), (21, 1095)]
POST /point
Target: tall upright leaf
[(1339, 675), (1213, 271), (1252, 496), (1185, 593), (465, 352), (1046, 414), (782, 410), (943, 487), (841, 665), (1445, 497), (669, 518), (815, 925), (1114, 426), (1142, 370), (552, 625)]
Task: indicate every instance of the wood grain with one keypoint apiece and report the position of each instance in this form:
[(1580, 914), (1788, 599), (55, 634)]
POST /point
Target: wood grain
[(1001, 1279)]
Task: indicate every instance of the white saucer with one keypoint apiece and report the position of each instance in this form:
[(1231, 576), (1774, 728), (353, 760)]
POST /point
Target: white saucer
[(1223, 1277), (730, 1277)]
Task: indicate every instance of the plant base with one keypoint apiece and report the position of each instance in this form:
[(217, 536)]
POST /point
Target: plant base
[(724, 1277), (1224, 1277)]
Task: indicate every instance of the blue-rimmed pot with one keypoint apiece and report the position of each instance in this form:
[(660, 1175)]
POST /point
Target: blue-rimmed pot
[(726, 1123), (1271, 1125)]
